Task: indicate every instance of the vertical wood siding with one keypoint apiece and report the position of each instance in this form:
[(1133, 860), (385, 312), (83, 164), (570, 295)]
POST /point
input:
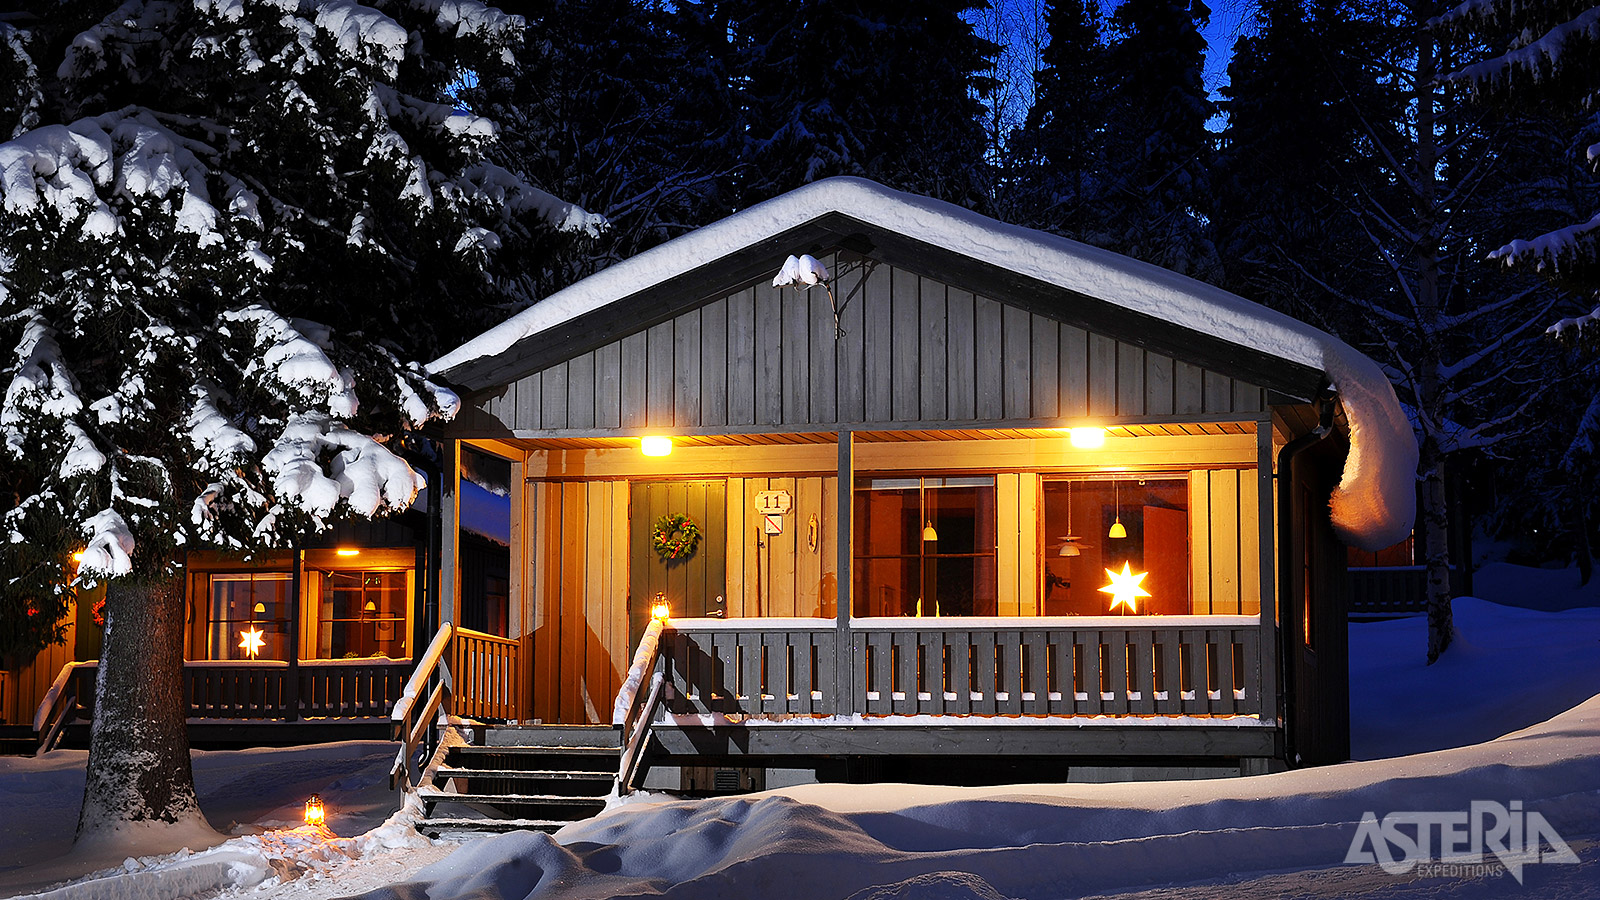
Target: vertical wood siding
[(1224, 542), (913, 350)]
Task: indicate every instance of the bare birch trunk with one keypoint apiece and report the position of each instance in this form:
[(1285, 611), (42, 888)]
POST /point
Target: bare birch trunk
[(139, 767)]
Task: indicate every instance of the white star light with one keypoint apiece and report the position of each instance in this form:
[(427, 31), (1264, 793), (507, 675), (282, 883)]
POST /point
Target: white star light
[(1124, 588), (251, 641)]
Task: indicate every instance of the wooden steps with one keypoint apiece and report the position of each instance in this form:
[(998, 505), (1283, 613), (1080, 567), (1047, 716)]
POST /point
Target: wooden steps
[(512, 778)]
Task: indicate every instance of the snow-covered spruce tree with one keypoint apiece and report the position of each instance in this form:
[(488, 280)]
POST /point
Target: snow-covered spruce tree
[(204, 182), (1059, 149), (1155, 194), (607, 105), (878, 88)]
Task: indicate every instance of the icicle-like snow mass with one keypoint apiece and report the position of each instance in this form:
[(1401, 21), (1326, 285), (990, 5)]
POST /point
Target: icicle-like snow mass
[(799, 271), (110, 546), (296, 360), (1374, 505), (42, 386), (220, 444), (363, 472), (363, 33)]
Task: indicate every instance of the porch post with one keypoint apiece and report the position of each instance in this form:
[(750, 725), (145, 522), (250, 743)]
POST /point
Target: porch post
[(844, 691), (450, 534), (1266, 493), (291, 689)]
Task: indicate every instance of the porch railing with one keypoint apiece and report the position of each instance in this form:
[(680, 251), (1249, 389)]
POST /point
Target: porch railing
[(462, 673), (485, 670), (258, 689), (1177, 666)]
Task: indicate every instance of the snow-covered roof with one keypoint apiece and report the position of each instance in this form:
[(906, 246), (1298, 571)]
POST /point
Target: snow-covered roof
[(1374, 504)]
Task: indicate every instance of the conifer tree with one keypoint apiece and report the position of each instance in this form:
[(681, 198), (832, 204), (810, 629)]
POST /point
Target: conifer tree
[(223, 227), (1059, 149), (886, 90), (1156, 194)]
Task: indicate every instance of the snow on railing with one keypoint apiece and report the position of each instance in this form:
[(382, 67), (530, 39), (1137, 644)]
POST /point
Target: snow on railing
[(419, 678), (52, 696), (643, 661)]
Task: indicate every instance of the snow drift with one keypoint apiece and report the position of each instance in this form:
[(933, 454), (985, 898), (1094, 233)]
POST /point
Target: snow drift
[(1374, 504)]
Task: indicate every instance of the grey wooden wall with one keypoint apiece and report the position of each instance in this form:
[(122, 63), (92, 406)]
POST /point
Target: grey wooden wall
[(913, 350)]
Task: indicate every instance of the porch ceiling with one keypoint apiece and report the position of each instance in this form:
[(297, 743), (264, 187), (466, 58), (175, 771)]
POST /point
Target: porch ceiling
[(751, 439)]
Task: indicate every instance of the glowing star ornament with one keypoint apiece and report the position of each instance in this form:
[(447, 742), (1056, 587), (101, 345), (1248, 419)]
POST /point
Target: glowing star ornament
[(1124, 588), (251, 641)]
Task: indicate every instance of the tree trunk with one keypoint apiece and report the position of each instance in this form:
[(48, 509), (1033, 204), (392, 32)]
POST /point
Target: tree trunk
[(138, 747), (1435, 538)]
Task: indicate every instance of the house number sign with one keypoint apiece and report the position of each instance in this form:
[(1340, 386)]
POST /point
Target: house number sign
[(771, 505)]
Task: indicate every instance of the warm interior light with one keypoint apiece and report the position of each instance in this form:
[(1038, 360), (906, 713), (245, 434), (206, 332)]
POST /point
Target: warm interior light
[(348, 551), (929, 533), (77, 557), (1124, 587), (314, 813), (260, 607), (655, 445), (1070, 549), (1087, 438), (370, 607), (1118, 530)]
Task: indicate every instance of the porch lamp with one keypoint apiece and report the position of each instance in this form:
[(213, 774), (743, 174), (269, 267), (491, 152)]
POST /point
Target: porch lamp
[(348, 551), (929, 533), (655, 445), (314, 814), (1117, 529), (1087, 438)]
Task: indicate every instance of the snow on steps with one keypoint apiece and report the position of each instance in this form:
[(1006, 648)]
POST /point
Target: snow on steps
[(538, 778)]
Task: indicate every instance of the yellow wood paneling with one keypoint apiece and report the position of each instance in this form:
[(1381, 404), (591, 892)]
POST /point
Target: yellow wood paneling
[(1007, 543), (1029, 543), (1249, 543), (1199, 543), (1224, 524)]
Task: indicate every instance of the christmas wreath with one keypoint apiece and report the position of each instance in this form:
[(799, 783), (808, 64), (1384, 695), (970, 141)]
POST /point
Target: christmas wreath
[(675, 537)]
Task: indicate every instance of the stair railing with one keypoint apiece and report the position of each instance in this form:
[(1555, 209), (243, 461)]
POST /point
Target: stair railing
[(420, 730), (59, 706), (635, 709)]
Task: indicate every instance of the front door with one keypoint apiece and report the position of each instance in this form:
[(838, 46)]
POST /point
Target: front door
[(692, 583)]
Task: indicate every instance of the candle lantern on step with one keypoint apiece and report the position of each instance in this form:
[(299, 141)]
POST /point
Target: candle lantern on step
[(314, 814)]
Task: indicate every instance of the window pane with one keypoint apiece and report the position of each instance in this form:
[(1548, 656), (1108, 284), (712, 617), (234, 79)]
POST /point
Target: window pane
[(905, 569), (365, 615), (249, 602), (1154, 512)]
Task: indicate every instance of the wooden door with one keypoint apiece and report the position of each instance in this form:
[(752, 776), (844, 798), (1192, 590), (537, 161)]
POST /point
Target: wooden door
[(693, 586)]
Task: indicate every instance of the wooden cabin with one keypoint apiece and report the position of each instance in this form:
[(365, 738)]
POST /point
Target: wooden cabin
[(338, 621), (914, 486)]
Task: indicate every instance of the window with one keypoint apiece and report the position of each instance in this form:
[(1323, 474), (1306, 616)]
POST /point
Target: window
[(925, 547), (362, 613), (1079, 546), (249, 601)]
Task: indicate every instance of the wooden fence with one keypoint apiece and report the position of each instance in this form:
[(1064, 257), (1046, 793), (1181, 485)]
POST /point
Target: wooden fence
[(1182, 666), (1387, 591)]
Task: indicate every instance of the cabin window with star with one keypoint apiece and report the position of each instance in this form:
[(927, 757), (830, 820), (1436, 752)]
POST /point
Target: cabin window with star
[(1116, 546), (249, 612)]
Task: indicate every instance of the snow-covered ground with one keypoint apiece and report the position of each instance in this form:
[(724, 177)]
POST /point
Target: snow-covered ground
[(1270, 836)]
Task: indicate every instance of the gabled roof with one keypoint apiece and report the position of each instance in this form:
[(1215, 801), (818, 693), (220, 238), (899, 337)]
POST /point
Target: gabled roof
[(1373, 506)]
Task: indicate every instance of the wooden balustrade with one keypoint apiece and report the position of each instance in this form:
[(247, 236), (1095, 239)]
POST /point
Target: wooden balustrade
[(485, 670), (1190, 665), (752, 667), (344, 688)]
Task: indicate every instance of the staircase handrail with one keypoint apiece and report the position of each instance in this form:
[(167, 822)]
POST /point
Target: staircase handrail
[(412, 733), (635, 709), (55, 710)]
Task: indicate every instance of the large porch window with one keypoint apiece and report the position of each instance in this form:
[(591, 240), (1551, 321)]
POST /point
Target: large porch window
[(361, 614), (1082, 541), (925, 547)]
